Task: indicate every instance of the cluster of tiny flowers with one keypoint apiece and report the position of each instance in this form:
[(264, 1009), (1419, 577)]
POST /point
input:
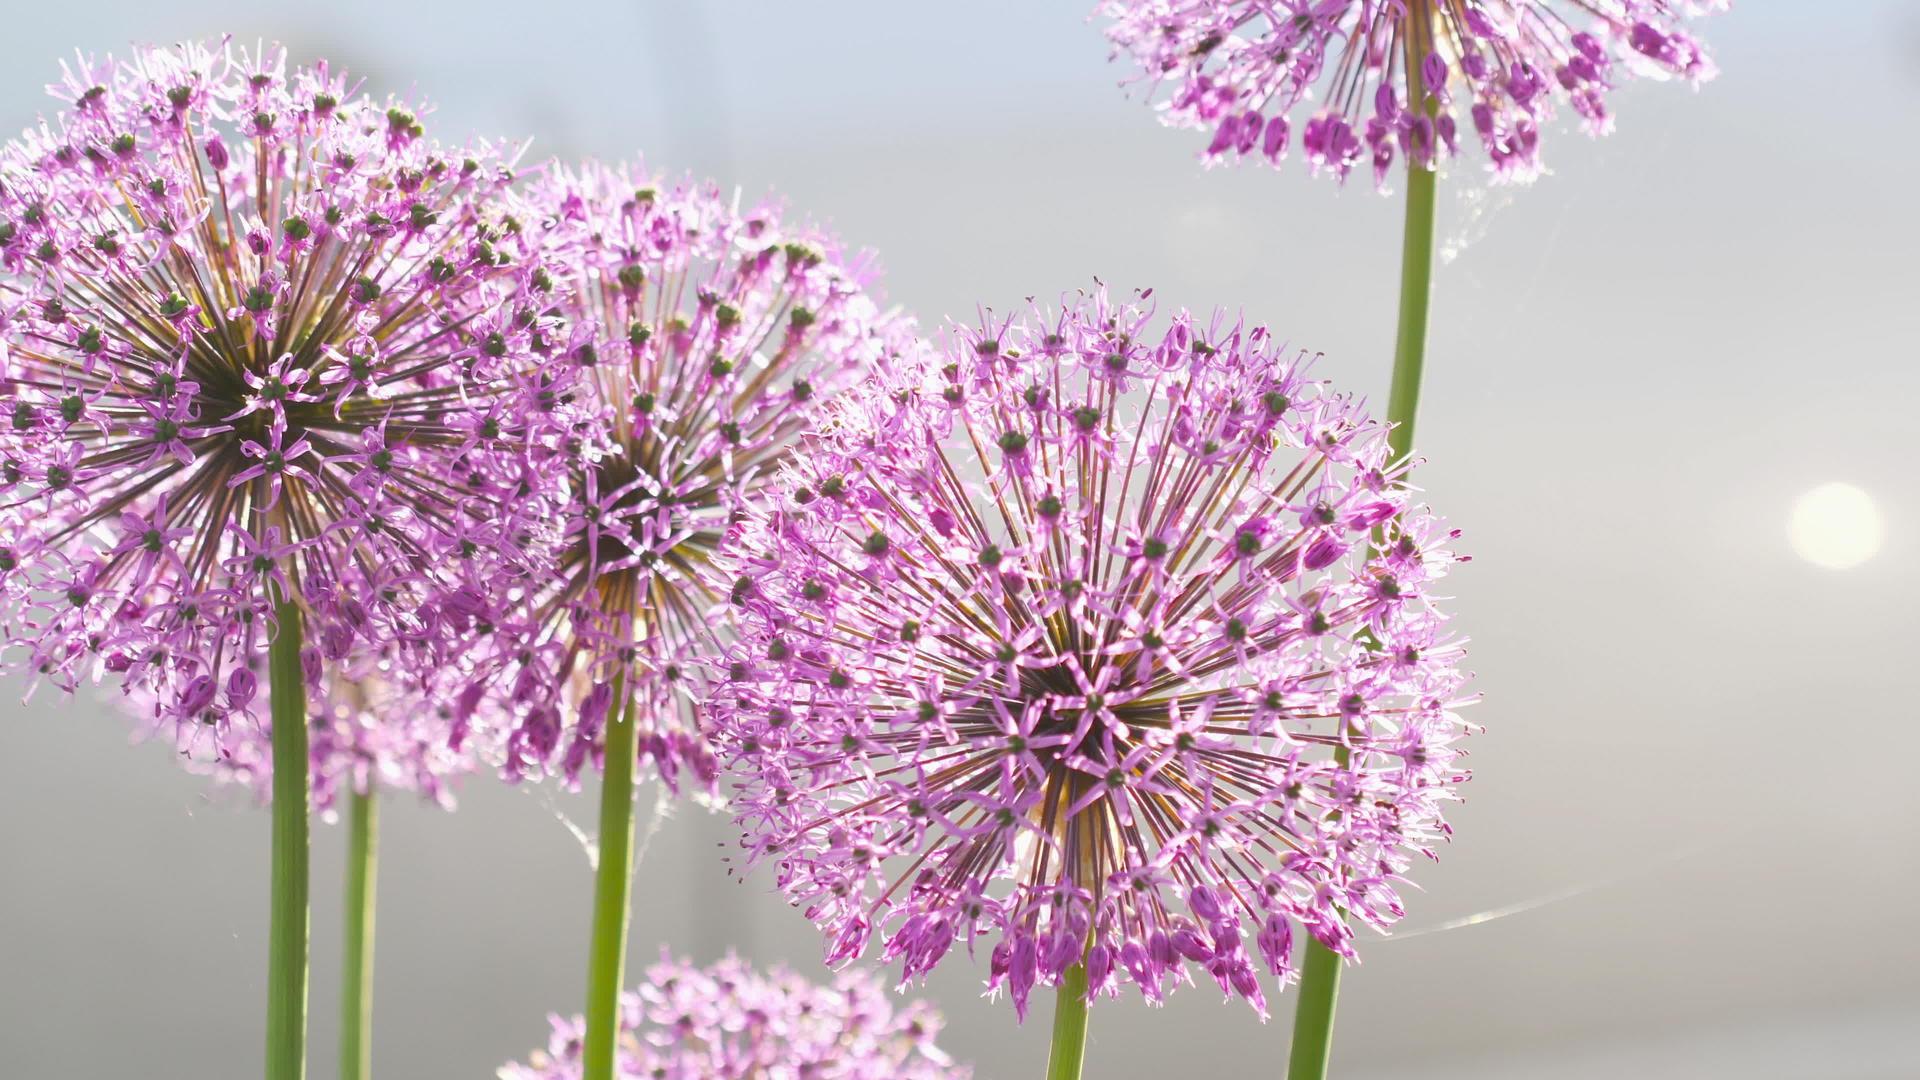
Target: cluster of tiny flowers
[(697, 341), (246, 369), (729, 1022), (1243, 69), (1104, 647), (367, 731)]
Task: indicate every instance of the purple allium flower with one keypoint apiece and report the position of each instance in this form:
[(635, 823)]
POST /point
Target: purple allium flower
[(1246, 69), (701, 339), (1071, 642), (239, 359), (367, 730), (729, 1022)]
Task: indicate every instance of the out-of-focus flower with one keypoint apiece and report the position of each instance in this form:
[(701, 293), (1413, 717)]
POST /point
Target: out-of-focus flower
[(1099, 646), (729, 1022), (371, 730), (698, 341), (1250, 70), (242, 315)]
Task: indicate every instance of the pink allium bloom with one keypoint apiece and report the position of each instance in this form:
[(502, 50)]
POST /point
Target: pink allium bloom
[(1249, 71), (1071, 643), (241, 323), (368, 731), (700, 339), (729, 1022)]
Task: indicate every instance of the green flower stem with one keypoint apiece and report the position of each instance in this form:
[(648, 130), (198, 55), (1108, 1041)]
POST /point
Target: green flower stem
[(612, 896), (1416, 293), (1314, 1001), (1069, 1025), (1319, 989), (287, 928), (356, 967)]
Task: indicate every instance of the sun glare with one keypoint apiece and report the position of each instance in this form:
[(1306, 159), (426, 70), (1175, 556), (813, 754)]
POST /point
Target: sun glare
[(1836, 526)]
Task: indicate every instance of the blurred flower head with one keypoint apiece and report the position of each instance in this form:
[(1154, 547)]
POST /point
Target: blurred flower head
[(1072, 642), (697, 340), (241, 318), (370, 729), (729, 1022), (1366, 80)]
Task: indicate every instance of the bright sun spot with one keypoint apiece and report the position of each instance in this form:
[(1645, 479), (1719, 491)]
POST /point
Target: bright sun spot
[(1835, 526)]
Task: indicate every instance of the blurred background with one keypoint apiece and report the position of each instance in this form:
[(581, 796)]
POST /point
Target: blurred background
[(1671, 400)]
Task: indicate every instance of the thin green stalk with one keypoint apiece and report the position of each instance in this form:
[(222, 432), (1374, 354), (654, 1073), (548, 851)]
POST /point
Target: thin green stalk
[(1319, 990), (1069, 1025), (287, 928), (613, 886), (1416, 293), (356, 967), (1314, 1002)]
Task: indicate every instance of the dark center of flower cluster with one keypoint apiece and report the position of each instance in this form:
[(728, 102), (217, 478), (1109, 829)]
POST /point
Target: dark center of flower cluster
[(1052, 685), (619, 529), (219, 403)]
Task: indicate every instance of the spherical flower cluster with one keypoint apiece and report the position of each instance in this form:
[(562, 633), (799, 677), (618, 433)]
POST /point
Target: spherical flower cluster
[(699, 339), (370, 731), (247, 360), (1386, 72), (729, 1022), (1103, 646)]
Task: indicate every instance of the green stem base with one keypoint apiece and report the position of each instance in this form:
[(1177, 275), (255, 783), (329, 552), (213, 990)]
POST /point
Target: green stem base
[(1069, 1026), (288, 929), (1315, 998), (612, 896), (356, 968)]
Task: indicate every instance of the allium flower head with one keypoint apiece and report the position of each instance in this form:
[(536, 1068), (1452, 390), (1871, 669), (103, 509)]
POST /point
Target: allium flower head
[(700, 339), (1072, 643), (240, 320), (1250, 70), (729, 1022), (371, 730)]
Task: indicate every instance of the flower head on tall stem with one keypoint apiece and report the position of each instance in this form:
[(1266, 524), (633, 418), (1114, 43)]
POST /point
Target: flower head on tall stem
[(1074, 643), (1361, 81), (371, 728), (237, 360), (700, 339), (730, 1022)]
